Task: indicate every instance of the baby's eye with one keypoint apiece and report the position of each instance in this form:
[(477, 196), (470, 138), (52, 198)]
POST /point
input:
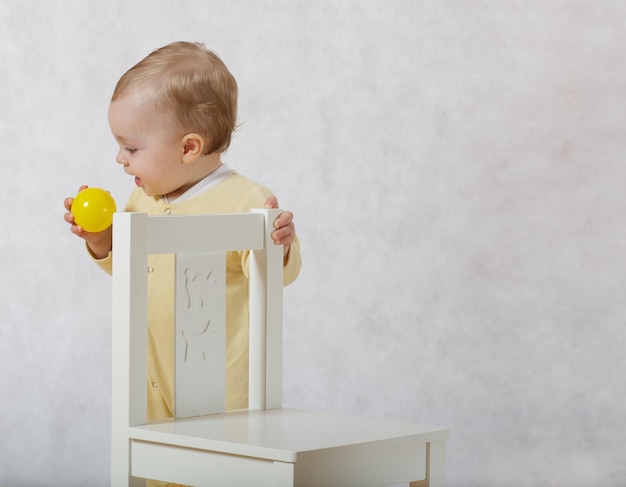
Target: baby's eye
[(130, 150)]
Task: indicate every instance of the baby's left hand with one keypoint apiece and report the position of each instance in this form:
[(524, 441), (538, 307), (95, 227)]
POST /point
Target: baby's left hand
[(285, 231)]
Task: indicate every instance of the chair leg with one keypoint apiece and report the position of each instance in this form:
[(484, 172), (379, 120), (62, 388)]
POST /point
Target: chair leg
[(435, 466), (423, 483)]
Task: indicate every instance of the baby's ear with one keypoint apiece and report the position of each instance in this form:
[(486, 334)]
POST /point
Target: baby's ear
[(193, 147)]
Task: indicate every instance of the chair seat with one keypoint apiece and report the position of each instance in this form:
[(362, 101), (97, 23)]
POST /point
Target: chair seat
[(285, 435)]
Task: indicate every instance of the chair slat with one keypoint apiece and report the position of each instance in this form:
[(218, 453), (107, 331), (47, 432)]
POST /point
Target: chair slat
[(200, 358), (205, 233)]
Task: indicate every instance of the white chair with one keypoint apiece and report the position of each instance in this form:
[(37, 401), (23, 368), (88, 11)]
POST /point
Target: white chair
[(265, 445)]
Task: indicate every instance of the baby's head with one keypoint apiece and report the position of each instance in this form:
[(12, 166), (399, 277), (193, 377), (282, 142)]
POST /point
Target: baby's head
[(191, 84)]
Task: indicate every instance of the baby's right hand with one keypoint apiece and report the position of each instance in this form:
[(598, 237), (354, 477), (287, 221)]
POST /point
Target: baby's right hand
[(99, 243)]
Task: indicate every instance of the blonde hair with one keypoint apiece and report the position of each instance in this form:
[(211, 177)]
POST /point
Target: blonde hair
[(193, 84)]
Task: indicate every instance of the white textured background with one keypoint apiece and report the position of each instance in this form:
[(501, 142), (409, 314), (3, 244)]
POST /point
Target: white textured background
[(456, 169)]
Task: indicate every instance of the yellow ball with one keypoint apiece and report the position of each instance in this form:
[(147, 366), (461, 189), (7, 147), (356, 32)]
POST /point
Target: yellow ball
[(93, 209)]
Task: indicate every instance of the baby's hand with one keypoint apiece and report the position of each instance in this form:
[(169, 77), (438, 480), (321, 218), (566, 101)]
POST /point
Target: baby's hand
[(69, 218), (99, 243), (285, 230)]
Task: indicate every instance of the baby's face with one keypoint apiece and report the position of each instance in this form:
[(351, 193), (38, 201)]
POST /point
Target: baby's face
[(149, 148)]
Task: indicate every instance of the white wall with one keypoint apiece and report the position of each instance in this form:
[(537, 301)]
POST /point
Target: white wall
[(456, 169)]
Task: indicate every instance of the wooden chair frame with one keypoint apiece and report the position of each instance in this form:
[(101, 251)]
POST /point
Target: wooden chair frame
[(265, 445)]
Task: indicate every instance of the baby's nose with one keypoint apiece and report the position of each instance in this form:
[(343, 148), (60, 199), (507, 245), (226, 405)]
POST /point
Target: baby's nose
[(119, 158)]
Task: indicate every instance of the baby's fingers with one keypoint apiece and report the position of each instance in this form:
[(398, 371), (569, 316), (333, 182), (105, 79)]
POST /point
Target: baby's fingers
[(283, 220), (69, 218), (284, 235), (68, 203), (271, 202)]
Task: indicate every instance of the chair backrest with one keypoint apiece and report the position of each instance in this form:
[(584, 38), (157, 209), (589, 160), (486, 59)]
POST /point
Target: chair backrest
[(199, 243)]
